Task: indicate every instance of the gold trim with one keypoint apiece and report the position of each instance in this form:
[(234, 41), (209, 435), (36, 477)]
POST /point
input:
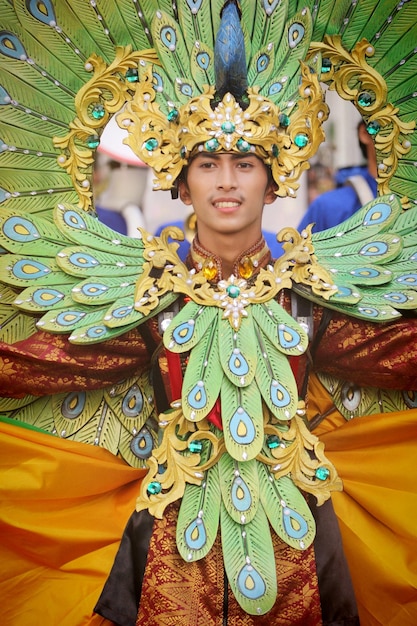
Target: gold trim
[(109, 88), (350, 75), (298, 264), (181, 466)]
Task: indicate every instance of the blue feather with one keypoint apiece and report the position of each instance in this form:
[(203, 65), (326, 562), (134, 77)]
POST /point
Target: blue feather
[(229, 54)]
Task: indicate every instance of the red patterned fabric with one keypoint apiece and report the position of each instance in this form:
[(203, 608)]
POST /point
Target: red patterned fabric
[(175, 593)]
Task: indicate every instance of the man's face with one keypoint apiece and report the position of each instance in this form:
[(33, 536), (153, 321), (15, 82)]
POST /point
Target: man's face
[(228, 192)]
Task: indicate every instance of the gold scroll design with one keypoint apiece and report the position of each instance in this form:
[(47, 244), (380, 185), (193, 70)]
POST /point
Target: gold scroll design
[(350, 75), (109, 89), (164, 272), (299, 455)]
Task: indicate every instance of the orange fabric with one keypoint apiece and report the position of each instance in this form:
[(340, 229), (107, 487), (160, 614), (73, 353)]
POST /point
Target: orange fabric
[(377, 510), (64, 506)]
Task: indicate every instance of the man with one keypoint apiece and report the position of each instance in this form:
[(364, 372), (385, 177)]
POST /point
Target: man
[(229, 438)]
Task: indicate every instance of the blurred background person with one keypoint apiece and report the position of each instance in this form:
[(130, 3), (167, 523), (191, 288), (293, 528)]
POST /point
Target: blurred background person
[(355, 186)]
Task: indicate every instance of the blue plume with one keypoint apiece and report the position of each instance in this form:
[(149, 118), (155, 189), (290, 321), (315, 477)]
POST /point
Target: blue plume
[(229, 54)]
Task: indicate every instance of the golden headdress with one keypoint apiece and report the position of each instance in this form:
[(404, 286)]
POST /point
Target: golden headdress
[(212, 99)]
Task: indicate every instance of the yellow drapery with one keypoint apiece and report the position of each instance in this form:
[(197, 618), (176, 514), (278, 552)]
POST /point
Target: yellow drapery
[(64, 507)]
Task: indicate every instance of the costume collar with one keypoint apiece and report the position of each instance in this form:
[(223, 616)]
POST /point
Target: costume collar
[(245, 266)]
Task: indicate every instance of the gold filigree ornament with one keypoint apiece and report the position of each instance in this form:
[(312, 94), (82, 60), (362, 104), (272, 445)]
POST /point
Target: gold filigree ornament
[(167, 141), (103, 95), (187, 452), (356, 81), (297, 264)]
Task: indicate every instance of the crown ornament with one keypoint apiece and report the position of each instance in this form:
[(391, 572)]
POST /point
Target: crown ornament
[(166, 134)]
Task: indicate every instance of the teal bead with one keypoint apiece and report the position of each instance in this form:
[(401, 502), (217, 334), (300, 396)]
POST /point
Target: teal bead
[(365, 99), (195, 446), (132, 75), (243, 145), (154, 488), (93, 141), (301, 140), (322, 473), (284, 120), (228, 127), (373, 128), (275, 150), (173, 115), (98, 111), (273, 442), (151, 144), (211, 145), (233, 291), (326, 66)]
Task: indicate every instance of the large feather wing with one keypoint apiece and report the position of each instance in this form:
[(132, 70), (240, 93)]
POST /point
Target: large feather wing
[(372, 258)]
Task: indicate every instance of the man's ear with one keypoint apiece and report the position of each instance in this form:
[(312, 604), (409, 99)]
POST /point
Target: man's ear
[(270, 195), (184, 192)]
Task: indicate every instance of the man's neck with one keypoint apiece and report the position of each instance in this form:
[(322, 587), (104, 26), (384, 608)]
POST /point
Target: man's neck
[(228, 247), (243, 262)]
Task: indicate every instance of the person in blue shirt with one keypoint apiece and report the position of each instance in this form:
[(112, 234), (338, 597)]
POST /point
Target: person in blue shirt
[(356, 186)]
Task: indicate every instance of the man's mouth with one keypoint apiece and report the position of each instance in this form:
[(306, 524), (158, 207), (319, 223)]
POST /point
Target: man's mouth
[(223, 204)]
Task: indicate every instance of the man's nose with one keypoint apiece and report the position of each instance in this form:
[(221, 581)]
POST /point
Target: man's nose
[(226, 178)]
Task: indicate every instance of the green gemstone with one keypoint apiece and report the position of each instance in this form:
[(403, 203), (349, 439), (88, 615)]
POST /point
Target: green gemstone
[(132, 75), (195, 446), (322, 473), (365, 99), (326, 66), (301, 140), (154, 487), (98, 111), (151, 144), (284, 120), (373, 128), (275, 150), (273, 441), (183, 152), (211, 145), (93, 141), (173, 115), (228, 127), (233, 291), (243, 145)]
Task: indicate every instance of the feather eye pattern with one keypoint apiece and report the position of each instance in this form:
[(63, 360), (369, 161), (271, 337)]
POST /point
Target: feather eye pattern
[(120, 418), (249, 561), (287, 510)]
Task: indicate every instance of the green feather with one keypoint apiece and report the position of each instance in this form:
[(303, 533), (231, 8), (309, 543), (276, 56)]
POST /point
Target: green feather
[(86, 230), (280, 328), (198, 517), (249, 561), (14, 326), (275, 380), (239, 486), (202, 377), (287, 509), (174, 54), (189, 326)]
